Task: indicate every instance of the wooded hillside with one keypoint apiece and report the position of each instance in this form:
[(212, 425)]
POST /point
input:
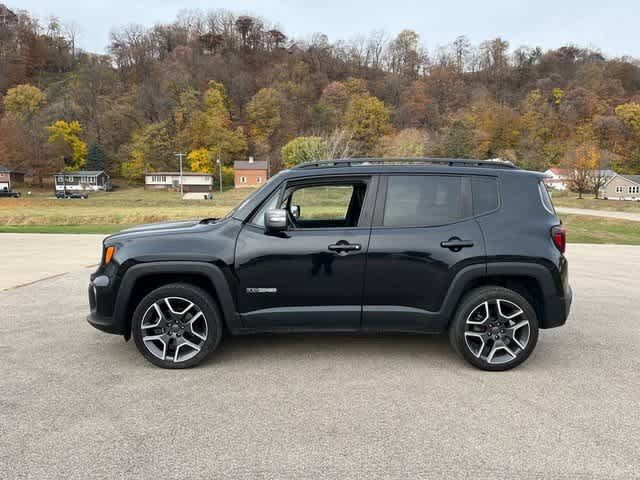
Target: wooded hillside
[(221, 85)]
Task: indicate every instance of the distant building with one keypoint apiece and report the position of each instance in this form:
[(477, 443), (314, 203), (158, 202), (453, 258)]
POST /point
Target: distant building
[(560, 178), (82, 180), (250, 173), (622, 187), (10, 179), (191, 181), (557, 178)]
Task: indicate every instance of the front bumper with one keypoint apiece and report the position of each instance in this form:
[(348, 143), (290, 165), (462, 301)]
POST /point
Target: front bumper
[(101, 306)]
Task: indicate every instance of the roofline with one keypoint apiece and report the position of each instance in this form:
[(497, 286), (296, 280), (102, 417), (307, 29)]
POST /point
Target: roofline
[(451, 162), (619, 175), (78, 173)]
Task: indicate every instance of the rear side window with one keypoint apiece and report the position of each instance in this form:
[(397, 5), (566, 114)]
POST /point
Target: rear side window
[(415, 201), (485, 194), (546, 198)]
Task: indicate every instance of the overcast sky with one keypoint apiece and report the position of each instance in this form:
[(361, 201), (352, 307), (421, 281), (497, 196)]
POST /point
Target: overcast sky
[(611, 25)]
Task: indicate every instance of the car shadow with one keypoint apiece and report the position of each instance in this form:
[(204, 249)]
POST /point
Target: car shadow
[(258, 347)]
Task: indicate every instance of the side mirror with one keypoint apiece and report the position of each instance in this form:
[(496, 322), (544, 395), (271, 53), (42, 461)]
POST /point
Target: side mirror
[(275, 220), (295, 211)]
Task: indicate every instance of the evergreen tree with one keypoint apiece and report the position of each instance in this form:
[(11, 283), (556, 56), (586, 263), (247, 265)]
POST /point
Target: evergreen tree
[(96, 158)]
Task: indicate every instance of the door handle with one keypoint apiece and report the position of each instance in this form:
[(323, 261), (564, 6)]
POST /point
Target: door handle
[(455, 244), (343, 247)]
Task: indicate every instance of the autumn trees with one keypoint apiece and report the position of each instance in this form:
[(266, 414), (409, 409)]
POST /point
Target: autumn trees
[(217, 85)]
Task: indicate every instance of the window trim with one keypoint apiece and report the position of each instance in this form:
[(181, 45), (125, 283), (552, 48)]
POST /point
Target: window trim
[(619, 189), (366, 214), (383, 188)]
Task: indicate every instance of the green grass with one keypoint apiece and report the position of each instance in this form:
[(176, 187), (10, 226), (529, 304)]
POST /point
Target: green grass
[(105, 213), (585, 229), (570, 199), (122, 207)]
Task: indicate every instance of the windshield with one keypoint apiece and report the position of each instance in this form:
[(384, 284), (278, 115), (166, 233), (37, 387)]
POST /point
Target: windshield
[(231, 212)]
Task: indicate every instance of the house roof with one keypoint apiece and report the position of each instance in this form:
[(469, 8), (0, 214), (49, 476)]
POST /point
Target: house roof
[(177, 174), (559, 171), (633, 178), (245, 165), (87, 173), (9, 170)]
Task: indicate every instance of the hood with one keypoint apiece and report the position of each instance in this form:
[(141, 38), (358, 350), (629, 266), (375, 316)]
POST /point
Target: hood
[(183, 226)]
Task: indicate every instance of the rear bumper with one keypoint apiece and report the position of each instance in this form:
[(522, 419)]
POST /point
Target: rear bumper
[(557, 308)]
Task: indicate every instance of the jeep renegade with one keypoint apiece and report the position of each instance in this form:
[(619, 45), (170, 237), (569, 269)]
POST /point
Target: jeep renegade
[(474, 248)]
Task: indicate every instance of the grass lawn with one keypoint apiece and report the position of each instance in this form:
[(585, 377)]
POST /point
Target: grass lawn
[(113, 211), (563, 199), (120, 208), (585, 229)]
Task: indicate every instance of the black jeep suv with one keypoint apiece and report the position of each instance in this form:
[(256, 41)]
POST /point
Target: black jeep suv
[(421, 245)]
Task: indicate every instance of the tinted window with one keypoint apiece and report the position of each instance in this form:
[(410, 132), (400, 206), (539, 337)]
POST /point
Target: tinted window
[(546, 198), (423, 200), (485, 194)]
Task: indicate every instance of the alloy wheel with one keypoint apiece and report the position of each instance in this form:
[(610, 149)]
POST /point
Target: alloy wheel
[(497, 331), (174, 329)]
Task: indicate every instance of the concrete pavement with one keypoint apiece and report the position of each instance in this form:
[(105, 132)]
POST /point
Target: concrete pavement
[(28, 257), (78, 403)]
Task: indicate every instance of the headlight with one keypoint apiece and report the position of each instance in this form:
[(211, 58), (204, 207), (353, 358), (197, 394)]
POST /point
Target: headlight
[(109, 252)]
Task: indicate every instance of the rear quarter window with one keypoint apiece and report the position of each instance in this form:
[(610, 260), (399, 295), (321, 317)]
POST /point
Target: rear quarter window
[(485, 194), (545, 197)]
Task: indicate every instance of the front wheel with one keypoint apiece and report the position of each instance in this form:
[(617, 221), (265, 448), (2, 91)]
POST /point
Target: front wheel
[(176, 326), (494, 328)]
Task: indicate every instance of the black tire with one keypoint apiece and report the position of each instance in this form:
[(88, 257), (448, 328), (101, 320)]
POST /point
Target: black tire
[(182, 293), (474, 303)]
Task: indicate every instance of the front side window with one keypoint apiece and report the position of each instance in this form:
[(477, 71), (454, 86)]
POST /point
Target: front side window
[(619, 189), (423, 200), (325, 206), (634, 189), (243, 179)]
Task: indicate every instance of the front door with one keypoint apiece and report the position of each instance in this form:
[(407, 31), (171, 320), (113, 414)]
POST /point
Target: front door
[(310, 276), (423, 234)]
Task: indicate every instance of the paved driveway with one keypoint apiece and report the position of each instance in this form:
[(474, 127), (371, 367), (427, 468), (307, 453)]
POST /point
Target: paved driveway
[(77, 403)]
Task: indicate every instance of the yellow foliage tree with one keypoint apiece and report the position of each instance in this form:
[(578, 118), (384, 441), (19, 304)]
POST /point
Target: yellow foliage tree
[(211, 128), (65, 136), (201, 160), (368, 119), (24, 101)]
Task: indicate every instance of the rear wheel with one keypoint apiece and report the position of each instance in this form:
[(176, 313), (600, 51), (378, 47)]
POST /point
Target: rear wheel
[(494, 328), (176, 326)]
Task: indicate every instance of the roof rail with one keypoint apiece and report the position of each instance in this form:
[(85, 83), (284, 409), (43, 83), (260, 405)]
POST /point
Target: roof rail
[(451, 162)]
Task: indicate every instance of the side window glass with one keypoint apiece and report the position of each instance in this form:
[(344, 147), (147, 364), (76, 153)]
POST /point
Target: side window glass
[(321, 203), (485, 194), (423, 200)]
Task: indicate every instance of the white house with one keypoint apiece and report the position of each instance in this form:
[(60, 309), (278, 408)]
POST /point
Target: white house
[(82, 180), (191, 182), (557, 178)]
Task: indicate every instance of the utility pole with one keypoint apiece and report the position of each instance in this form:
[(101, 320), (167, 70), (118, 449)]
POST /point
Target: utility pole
[(220, 171), (180, 155)]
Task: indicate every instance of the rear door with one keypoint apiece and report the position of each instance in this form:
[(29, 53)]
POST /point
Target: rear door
[(423, 234)]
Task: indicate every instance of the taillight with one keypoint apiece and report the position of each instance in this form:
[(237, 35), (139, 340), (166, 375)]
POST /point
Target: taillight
[(559, 236)]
